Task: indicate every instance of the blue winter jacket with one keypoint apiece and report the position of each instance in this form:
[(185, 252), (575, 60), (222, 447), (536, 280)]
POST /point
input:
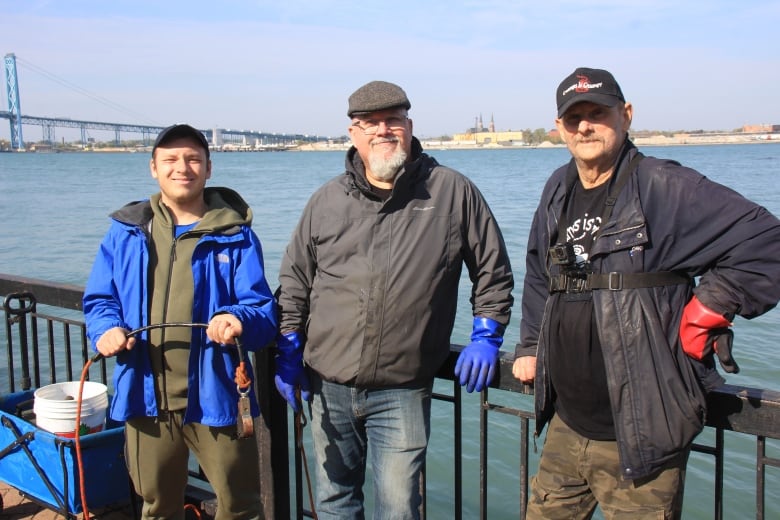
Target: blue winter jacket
[(227, 268)]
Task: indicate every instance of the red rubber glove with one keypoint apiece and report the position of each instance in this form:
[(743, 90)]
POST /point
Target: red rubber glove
[(703, 331)]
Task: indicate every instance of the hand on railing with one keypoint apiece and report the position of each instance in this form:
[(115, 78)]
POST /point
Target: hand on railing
[(291, 379)]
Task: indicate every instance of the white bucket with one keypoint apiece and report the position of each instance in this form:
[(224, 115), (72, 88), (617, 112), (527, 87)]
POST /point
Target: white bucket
[(55, 408)]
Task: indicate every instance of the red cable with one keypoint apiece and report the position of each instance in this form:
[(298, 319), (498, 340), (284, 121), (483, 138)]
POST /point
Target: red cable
[(193, 509), (77, 440)]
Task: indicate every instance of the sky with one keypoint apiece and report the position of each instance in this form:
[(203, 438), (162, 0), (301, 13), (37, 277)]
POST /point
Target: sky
[(288, 66)]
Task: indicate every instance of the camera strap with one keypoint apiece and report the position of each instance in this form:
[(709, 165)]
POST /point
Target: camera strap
[(620, 181), (614, 281)]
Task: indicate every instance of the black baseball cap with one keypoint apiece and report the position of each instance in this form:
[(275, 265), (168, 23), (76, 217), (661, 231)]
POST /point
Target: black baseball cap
[(181, 130), (584, 84)]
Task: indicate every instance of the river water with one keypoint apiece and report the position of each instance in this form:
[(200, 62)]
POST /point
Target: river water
[(55, 209)]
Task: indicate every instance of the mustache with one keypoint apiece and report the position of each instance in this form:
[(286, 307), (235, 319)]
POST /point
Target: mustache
[(381, 140), (589, 139)]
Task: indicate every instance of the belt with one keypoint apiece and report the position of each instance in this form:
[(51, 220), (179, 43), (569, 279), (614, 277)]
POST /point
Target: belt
[(615, 281)]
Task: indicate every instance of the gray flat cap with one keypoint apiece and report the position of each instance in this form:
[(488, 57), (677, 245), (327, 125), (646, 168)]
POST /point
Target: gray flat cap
[(375, 96)]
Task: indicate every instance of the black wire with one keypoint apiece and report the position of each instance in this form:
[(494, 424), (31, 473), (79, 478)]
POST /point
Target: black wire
[(162, 325), (99, 356)]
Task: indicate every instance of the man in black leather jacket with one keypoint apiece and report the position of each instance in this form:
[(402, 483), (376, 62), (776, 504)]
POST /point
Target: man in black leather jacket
[(617, 337)]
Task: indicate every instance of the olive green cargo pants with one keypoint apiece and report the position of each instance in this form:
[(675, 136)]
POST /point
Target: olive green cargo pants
[(158, 456), (576, 474)]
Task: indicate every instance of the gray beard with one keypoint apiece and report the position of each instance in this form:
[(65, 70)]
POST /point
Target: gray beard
[(385, 170)]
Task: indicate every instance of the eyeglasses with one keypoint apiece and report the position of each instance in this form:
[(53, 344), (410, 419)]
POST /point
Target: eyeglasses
[(371, 127)]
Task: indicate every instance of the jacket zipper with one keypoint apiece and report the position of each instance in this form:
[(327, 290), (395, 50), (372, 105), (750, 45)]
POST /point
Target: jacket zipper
[(164, 389)]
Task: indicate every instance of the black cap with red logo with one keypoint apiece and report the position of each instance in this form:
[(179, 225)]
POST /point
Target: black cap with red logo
[(584, 84)]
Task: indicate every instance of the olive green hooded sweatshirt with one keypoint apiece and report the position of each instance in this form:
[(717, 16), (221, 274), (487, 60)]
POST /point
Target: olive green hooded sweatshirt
[(171, 280)]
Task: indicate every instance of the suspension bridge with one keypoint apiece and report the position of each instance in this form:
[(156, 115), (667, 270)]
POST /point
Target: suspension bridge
[(218, 138)]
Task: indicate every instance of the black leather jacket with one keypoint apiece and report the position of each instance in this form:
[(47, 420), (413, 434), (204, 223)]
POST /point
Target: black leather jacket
[(666, 218)]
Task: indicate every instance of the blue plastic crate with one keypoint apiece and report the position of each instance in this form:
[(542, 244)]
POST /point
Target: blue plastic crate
[(44, 467)]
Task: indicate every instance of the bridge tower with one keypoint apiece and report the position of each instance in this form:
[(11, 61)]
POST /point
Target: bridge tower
[(12, 88)]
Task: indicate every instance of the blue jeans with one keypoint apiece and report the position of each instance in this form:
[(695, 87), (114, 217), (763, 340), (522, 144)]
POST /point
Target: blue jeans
[(391, 426)]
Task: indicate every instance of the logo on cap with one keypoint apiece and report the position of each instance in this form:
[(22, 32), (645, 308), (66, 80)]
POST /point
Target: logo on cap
[(594, 85), (583, 85)]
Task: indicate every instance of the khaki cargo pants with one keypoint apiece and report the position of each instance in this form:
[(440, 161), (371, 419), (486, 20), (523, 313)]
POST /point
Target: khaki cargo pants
[(576, 474), (158, 456)]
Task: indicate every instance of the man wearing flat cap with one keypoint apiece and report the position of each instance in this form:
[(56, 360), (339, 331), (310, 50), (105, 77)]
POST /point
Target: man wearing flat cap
[(618, 339), (368, 294)]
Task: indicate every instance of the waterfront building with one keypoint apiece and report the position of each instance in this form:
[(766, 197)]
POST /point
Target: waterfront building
[(481, 136)]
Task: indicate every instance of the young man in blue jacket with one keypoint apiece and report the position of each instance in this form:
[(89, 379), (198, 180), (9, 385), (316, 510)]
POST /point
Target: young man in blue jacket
[(618, 340), (186, 255)]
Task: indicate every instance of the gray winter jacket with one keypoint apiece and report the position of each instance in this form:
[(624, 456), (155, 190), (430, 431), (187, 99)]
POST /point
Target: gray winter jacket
[(666, 218), (373, 284)]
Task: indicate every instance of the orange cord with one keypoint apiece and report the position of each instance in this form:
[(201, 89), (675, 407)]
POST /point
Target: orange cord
[(77, 440), (242, 379), (193, 509)]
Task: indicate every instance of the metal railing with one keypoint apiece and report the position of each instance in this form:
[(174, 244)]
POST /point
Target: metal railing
[(43, 346)]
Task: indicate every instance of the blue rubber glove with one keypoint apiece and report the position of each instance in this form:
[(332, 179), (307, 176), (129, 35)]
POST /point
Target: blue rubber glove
[(477, 363), (290, 372)]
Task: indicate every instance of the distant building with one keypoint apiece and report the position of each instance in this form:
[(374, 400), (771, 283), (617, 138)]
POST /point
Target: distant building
[(488, 136), (761, 129)]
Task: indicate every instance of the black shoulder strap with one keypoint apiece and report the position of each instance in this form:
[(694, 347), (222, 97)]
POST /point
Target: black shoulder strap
[(621, 178), (571, 178), (615, 189)]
